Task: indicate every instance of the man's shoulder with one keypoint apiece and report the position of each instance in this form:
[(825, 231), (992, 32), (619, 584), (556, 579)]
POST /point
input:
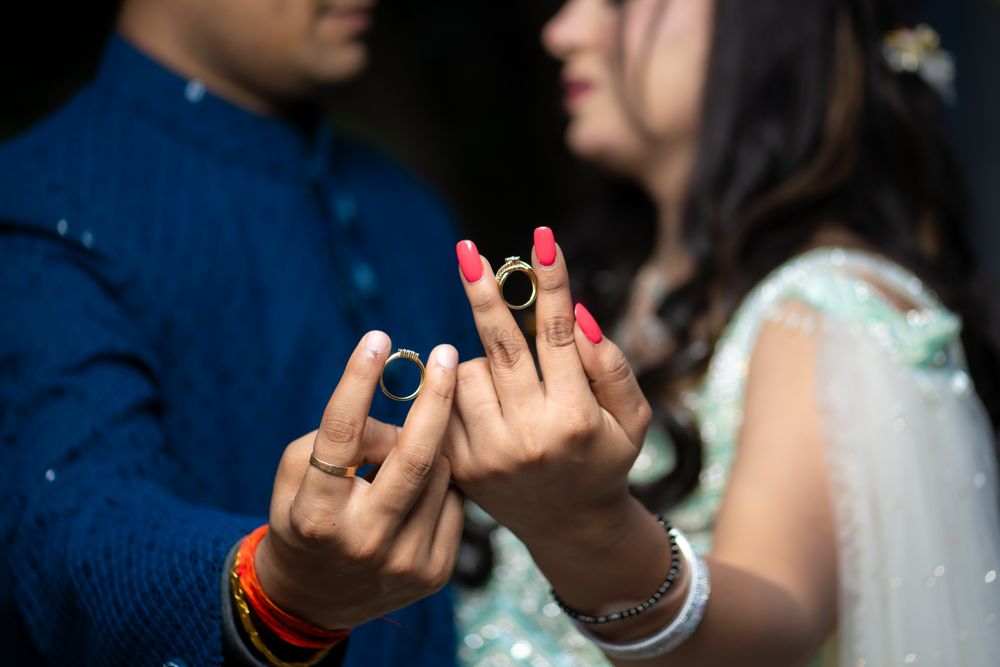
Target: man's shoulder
[(53, 135), (42, 167)]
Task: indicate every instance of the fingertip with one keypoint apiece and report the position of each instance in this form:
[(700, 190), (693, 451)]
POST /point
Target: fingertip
[(444, 356), (376, 343)]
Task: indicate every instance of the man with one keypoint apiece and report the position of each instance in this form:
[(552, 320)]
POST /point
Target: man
[(189, 257)]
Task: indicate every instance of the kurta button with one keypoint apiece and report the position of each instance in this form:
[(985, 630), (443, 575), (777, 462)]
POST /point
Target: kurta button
[(194, 91)]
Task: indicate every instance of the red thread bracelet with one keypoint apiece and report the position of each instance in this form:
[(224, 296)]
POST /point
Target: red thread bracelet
[(288, 628)]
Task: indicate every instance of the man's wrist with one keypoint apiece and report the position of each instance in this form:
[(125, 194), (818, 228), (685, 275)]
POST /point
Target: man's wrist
[(280, 588), (276, 635)]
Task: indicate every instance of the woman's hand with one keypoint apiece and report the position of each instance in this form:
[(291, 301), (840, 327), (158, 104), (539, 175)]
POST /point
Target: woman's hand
[(548, 457), (343, 551)]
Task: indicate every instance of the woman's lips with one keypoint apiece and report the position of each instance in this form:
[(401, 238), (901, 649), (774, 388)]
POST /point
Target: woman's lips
[(575, 90)]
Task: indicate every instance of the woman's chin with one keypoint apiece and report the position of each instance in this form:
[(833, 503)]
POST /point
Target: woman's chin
[(604, 154)]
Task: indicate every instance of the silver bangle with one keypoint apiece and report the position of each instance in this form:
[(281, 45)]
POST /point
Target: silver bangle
[(681, 628)]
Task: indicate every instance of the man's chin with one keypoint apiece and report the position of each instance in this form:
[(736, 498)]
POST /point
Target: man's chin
[(344, 64)]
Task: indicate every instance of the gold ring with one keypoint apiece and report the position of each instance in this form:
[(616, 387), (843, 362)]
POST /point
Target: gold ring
[(410, 356), (517, 265), (330, 469)]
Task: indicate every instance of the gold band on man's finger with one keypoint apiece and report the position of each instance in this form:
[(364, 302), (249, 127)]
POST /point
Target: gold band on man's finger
[(330, 469)]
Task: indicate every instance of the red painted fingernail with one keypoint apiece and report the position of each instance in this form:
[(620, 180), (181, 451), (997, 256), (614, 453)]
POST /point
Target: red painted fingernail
[(588, 325), (469, 260), (545, 246)]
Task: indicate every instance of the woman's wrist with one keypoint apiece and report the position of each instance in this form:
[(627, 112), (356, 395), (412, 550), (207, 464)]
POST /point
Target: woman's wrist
[(595, 529), (668, 583), (680, 628), (611, 560)]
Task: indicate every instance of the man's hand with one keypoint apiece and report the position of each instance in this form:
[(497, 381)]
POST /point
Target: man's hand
[(343, 551)]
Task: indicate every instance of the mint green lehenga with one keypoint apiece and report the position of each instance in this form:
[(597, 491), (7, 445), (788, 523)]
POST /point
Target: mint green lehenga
[(911, 469)]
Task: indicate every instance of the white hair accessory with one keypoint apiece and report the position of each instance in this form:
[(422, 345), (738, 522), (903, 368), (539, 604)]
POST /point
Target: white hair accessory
[(918, 51)]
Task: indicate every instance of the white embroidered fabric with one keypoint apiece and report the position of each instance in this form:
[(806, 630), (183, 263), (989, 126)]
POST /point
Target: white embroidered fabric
[(914, 483)]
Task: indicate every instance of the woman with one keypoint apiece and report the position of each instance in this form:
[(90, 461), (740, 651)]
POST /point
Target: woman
[(847, 494)]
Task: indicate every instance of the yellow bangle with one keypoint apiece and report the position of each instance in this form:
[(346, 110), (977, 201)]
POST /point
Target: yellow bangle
[(243, 609)]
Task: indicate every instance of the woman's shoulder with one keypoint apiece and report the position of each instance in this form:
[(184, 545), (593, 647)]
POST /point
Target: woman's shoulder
[(864, 291), (827, 291)]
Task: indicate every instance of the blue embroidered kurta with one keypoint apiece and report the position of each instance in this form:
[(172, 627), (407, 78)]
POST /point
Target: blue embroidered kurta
[(181, 283)]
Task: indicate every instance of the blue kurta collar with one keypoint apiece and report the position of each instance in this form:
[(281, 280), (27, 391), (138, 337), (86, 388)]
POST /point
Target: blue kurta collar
[(186, 108)]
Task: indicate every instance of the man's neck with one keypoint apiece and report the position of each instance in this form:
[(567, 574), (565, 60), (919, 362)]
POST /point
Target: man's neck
[(166, 45)]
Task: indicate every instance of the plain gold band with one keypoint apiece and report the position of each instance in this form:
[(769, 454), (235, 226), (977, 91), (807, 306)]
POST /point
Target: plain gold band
[(412, 357), (330, 469), (517, 265)]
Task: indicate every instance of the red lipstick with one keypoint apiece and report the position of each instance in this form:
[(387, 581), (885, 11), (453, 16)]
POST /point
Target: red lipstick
[(574, 90)]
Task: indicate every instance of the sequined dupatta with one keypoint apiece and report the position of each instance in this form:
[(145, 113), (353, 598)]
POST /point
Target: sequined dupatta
[(911, 462), (913, 478)]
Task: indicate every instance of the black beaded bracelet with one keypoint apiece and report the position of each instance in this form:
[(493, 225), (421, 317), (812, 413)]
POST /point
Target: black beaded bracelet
[(675, 568)]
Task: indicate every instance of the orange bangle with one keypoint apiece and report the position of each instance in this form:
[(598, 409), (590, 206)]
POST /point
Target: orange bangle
[(288, 628)]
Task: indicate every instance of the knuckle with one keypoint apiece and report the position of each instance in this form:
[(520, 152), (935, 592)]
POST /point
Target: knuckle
[(399, 569), (310, 527), (579, 423), (558, 332), (416, 464), (409, 572), (505, 349), (490, 470), (482, 303), (617, 368), (442, 389), (368, 554), (295, 451), (288, 455), (369, 550), (534, 455), (473, 371), (644, 413), (298, 449), (553, 281), (480, 472), (495, 468), (341, 429), (438, 576), (575, 432)]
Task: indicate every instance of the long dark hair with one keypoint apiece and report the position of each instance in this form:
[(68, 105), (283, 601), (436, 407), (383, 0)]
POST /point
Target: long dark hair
[(803, 123)]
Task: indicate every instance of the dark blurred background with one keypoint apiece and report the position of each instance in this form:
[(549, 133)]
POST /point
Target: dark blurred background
[(462, 92)]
